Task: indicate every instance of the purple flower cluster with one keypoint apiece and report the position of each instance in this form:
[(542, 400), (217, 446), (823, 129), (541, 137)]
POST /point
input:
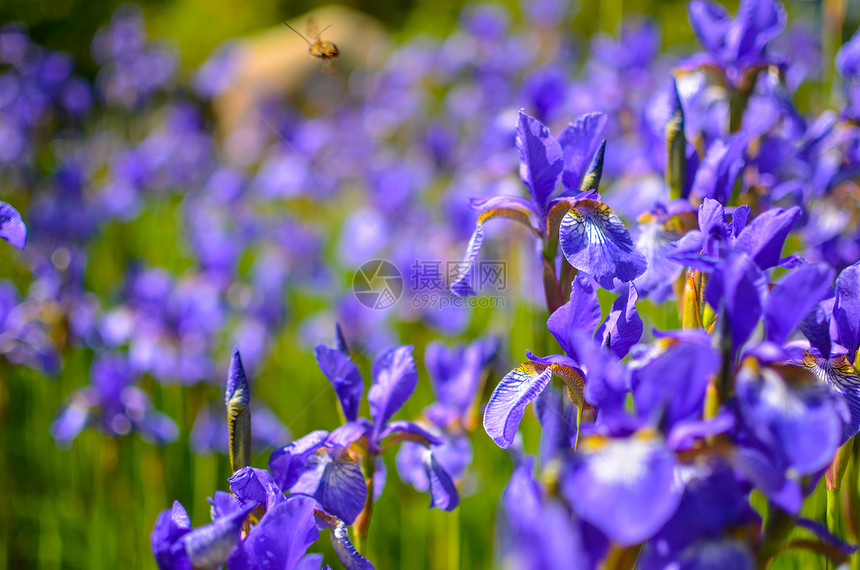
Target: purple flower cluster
[(691, 250), (331, 479)]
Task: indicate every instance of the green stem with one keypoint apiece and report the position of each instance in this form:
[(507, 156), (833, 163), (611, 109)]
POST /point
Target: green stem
[(776, 529), (724, 379), (832, 516), (362, 524)]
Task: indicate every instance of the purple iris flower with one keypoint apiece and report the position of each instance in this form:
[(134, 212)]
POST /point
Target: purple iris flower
[(790, 425), (736, 255), (457, 375), (589, 365), (326, 466), (736, 46), (592, 238), (278, 540), (114, 405)]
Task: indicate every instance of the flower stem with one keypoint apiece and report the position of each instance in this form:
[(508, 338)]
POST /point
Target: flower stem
[(776, 529), (362, 523)]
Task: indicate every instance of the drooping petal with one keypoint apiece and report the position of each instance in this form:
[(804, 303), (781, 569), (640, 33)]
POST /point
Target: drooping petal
[(336, 481), (344, 376), (284, 533), (762, 240), (454, 455), (12, 227), (710, 22), (505, 409), (624, 487), (394, 380), (685, 433), (846, 309), (287, 463), (579, 142), (238, 413), (595, 240), (793, 298), (343, 547), (580, 313), (541, 161), (443, 492), (462, 283), (623, 327), (768, 473), (410, 465)]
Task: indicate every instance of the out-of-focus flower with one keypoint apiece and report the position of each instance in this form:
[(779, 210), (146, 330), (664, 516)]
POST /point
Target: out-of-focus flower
[(114, 405)]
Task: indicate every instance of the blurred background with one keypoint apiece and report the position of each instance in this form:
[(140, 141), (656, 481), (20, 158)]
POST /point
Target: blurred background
[(139, 223)]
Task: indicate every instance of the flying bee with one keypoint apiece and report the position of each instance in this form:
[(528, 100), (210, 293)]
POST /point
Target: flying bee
[(319, 48)]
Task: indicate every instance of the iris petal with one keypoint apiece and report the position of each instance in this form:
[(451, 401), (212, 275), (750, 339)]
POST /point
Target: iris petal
[(284, 534), (624, 487), (394, 380), (595, 240), (344, 376), (505, 409), (838, 374), (443, 492), (541, 160), (12, 228), (579, 142)]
